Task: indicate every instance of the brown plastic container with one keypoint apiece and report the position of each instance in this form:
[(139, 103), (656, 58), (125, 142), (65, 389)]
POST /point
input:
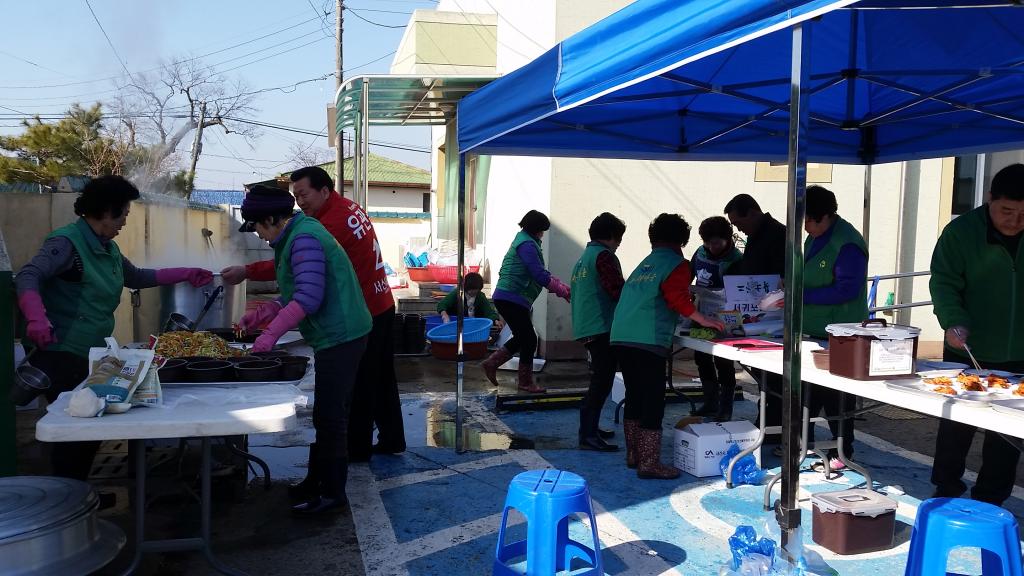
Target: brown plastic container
[(872, 350), (820, 359), (853, 521)]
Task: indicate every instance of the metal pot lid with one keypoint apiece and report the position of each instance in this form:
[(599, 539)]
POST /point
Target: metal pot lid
[(879, 330), (29, 503)]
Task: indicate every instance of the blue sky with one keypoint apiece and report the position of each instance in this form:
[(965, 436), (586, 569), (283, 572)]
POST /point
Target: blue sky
[(57, 50)]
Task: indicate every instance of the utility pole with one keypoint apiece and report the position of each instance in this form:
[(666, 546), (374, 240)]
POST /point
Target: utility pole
[(197, 147), (339, 146)]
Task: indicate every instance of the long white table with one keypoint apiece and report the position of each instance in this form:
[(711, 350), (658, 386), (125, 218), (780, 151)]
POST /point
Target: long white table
[(185, 420), (981, 416)]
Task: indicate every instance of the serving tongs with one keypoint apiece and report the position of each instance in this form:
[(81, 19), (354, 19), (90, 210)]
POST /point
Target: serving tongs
[(968, 349)]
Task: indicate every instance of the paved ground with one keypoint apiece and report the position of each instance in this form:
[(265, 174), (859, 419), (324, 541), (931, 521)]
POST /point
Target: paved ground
[(431, 511)]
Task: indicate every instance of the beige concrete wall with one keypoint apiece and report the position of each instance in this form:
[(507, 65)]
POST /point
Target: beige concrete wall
[(155, 235), (439, 42), (394, 234)]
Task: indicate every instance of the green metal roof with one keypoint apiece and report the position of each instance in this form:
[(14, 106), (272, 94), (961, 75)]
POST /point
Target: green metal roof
[(382, 169), (404, 100)]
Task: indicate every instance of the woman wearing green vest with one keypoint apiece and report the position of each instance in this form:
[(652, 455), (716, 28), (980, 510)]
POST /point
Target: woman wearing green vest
[(321, 296), (654, 296), (69, 291), (709, 263), (835, 291), (520, 280), (596, 285)]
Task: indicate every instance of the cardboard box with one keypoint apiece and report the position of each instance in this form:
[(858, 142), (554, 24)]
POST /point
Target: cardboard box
[(698, 448)]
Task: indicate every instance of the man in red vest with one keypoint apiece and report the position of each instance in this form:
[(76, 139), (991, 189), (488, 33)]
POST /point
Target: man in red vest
[(375, 398)]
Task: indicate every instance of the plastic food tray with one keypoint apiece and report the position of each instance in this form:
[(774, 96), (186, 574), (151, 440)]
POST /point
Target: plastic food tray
[(1011, 406), (921, 391)]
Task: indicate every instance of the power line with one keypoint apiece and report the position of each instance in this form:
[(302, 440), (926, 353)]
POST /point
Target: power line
[(271, 56), (111, 44), (361, 9), (364, 19), (27, 61)]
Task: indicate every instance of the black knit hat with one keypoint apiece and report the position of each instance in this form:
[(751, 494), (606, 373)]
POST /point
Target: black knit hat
[(263, 201)]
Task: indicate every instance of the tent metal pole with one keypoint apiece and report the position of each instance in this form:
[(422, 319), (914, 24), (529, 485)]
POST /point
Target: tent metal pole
[(460, 299), (787, 511), (866, 218)]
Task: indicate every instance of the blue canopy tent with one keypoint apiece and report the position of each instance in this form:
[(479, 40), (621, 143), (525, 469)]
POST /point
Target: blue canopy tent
[(839, 81)]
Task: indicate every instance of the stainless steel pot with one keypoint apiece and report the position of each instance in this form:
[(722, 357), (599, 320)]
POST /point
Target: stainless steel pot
[(49, 526), (151, 308)]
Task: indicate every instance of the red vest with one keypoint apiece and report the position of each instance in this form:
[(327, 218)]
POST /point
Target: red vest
[(351, 227)]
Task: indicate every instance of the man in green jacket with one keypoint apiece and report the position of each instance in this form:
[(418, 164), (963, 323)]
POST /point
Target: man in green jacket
[(977, 287)]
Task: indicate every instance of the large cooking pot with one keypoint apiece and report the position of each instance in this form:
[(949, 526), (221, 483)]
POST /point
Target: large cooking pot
[(153, 307)]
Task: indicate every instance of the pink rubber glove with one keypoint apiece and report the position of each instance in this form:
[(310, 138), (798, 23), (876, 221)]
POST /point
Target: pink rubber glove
[(287, 319), (559, 288), (195, 276), (260, 315), (39, 329)]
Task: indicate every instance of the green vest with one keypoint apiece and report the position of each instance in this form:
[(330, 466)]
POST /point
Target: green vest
[(819, 271), (82, 313), (642, 315), (343, 315), (592, 306), (513, 275)]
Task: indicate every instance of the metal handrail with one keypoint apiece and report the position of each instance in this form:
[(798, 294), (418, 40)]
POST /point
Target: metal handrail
[(873, 293), (900, 275)]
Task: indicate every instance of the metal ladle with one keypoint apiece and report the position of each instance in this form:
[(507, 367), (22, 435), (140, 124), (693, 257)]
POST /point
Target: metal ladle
[(179, 322), (29, 382)]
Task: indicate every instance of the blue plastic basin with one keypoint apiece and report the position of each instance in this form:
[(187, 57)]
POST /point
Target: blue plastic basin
[(473, 330)]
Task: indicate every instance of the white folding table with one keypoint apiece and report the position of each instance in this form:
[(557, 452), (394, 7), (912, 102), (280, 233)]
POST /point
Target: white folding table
[(185, 420)]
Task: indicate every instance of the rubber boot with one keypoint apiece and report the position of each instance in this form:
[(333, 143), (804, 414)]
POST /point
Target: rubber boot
[(310, 486), (526, 379), (649, 445), (629, 428), (333, 477), (589, 438), (491, 364)]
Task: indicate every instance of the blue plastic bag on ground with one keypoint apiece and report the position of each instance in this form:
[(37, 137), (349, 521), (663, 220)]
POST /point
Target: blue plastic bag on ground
[(745, 471), (745, 542)]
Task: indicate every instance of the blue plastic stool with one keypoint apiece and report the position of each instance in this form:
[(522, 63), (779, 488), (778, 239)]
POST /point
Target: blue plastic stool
[(546, 498), (943, 524)]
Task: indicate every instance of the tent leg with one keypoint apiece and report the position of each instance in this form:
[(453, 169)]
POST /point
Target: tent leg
[(460, 299), (787, 512)]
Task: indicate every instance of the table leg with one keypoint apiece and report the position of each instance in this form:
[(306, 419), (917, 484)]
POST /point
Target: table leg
[(252, 458), (137, 451), (206, 510), (762, 402)]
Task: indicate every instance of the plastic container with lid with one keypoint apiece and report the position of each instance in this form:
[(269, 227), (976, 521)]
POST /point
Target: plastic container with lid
[(853, 521), (872, 350)]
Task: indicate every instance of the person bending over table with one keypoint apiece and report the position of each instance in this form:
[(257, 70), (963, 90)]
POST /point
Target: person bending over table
[(596, 285), (835, 291), (764, 253), (977, 286), (320, 295), (69, 291), (654, 296), (475, 303), (710, 261), (375, 399), (520, 279)]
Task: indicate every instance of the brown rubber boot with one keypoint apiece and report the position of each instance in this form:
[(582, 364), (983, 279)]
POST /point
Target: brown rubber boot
[(491, 364), (629, 428), (649, 445), (526, 379)]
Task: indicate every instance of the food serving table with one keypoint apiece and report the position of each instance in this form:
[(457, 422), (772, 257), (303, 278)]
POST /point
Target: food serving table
[(894, 392), (184, 420)]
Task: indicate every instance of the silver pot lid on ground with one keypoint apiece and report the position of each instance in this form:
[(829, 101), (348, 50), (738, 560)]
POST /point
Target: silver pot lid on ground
[(48, 525)]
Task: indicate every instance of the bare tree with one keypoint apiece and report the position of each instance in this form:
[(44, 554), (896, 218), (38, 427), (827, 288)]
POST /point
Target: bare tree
[(162, 109), (310, 155)]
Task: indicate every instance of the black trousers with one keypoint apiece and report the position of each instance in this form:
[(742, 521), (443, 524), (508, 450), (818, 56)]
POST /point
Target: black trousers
[(602, 377), (643, 373), (827, 399), (520, 322), (998, 457), (336, 369), (66, 370), (717, 380), (375, 398)]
